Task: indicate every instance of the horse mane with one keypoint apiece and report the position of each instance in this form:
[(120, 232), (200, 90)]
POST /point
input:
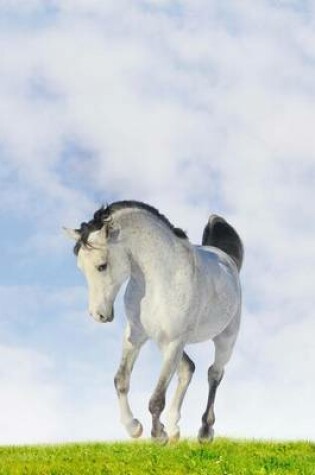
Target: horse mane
[(105, 212)]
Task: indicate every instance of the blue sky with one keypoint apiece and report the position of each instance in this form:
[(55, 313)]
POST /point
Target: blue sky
[(194, 107)]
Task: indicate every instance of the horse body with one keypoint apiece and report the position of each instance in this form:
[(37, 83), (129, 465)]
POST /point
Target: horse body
[(195, 303), (217, 294), (177, 294)]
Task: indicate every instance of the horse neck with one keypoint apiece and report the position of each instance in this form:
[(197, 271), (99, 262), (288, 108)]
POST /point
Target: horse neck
[(153, 247)]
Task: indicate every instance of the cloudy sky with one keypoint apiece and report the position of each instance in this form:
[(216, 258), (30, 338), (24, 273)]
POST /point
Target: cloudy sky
[(194, 107)]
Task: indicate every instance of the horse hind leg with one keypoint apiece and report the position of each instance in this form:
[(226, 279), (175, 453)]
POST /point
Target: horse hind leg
[(206, 432), (185, 371), (224, 344)]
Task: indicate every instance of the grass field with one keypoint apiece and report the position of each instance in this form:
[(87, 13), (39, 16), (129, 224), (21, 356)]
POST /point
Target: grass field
[(222, 457)]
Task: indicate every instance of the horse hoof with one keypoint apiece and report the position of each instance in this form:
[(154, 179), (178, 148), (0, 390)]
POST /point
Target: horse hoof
[(135, 428), (161, 439), (174, 437), (205, 435)]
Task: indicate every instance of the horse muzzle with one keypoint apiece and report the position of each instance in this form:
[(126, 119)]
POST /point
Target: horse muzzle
[(102, 317)]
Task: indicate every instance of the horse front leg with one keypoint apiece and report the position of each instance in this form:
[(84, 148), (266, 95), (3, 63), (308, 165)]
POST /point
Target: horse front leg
[(185, 371), (131, 347), (172, 354)]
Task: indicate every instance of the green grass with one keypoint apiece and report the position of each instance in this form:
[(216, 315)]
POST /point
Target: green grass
[(222, 457)]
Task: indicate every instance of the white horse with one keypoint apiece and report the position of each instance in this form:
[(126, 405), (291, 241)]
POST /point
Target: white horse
[(177, 294)]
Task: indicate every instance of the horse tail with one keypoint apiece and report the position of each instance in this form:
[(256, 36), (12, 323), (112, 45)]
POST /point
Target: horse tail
[(219, 233)]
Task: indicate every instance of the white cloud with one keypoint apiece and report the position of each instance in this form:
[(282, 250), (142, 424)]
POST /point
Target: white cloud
[(204, 109), (26, 400)]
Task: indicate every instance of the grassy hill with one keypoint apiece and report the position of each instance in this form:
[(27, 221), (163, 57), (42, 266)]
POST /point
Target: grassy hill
[(222, 457)]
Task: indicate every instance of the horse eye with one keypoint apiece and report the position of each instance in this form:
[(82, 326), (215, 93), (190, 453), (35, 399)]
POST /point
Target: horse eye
[(102, 267)]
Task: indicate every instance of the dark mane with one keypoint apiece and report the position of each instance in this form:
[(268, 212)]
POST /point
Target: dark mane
[(104, 213)]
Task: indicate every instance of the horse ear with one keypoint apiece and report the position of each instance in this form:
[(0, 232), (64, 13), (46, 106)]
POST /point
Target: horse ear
[(73, 234)]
